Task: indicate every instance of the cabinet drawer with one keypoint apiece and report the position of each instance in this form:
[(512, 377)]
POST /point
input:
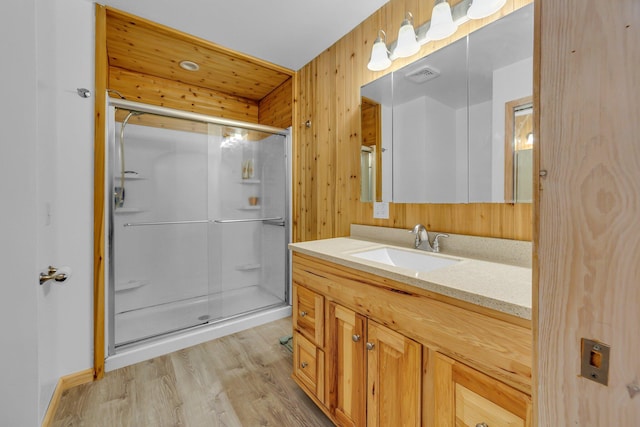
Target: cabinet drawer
[(467, 397), (473, 409), (308, 365), (308, 314)]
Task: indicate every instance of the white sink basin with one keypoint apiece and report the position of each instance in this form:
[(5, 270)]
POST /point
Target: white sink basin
[(410, 260)]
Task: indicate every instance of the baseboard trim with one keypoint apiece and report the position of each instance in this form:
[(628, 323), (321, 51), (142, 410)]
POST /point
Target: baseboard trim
[(65, 383)]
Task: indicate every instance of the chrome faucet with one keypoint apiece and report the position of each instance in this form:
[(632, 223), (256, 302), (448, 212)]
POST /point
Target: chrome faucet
[(422, 239)]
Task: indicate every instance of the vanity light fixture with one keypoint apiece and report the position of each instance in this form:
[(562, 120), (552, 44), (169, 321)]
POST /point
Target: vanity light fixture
[(379, 54), (444, 23), (407, 40), (189, 65), (482, 8)]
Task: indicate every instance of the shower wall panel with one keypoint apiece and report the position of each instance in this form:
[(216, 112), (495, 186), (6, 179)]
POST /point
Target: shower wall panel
[(165, 181)]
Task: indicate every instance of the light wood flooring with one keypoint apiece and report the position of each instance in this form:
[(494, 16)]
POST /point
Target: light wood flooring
[(239, 380)]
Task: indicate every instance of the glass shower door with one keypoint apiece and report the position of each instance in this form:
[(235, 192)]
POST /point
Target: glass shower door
[(160, 226), (248, 237)]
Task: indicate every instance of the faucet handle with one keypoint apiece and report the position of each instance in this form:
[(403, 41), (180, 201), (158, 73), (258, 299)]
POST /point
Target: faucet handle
[(436, 243)]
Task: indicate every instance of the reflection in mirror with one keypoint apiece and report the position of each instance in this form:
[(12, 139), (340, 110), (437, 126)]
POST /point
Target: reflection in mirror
[(430, 128), (376, 126), (518, 149), (367, 173), (370, 152), (500, 70)]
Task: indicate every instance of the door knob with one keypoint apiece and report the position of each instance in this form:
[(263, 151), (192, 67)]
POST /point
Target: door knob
[(54, 273)]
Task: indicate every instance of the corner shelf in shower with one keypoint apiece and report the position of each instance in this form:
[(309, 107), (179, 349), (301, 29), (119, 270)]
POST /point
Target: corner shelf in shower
[(128, 210), (250, 208), (248, 267)]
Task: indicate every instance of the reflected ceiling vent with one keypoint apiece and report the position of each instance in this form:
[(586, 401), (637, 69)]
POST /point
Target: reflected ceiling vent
[(422, 75)]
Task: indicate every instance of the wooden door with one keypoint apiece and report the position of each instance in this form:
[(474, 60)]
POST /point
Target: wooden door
[(348, 365), (588, 221), (393, 379)]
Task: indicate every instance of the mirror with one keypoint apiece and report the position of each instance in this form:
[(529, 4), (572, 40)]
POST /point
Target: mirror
[(443, 122)]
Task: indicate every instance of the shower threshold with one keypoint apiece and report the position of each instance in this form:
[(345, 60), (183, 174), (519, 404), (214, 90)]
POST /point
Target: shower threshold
[(140, 351), (135, 326)]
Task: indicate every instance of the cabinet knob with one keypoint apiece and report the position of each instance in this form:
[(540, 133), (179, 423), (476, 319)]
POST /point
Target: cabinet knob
[(305, 364), (303, 313), (370, 346), (482, 425), (355, 337)]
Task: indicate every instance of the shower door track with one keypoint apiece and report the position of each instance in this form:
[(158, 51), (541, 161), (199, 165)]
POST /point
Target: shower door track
[(178, 114)]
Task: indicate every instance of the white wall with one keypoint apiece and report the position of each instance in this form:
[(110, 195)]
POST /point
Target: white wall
[(480, 154), (46, 174), (424, 166), (72, 202), (18, 242), (512, 82), (462, 155), (387, 152), (47, 220)]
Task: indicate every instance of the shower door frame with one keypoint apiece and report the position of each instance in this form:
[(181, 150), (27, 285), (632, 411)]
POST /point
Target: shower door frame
[(112, 105)]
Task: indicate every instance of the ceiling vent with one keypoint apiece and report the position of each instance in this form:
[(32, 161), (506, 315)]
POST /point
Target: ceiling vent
[(423, 74)]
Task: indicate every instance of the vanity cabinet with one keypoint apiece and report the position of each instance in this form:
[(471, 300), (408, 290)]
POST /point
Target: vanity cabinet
[(375, 372), (371, 351)]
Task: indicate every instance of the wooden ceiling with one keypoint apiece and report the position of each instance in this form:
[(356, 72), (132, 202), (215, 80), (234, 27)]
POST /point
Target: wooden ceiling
[(142, 46)]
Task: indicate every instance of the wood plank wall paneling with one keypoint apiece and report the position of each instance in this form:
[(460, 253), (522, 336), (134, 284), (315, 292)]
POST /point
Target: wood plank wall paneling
[(276, 108), (148, 89), (589, 204), (327, 169), (137, 44)]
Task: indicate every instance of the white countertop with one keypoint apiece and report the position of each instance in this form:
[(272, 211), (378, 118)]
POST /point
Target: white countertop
[(500, 287)]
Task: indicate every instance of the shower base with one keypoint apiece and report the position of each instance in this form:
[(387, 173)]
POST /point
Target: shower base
[(153, 331)]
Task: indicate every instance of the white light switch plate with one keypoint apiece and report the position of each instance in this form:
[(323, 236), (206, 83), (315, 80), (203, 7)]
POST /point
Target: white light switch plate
[(381, 210)]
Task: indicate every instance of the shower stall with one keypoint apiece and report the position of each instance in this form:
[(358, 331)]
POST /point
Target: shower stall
[(198, 225)]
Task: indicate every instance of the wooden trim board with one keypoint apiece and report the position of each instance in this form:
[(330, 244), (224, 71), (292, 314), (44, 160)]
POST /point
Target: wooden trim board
[(99, 214), (65, 383)]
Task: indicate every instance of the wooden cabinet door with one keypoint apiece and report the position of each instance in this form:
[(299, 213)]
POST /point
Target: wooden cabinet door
[(347, 377), (466, 397), (393, 379)]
